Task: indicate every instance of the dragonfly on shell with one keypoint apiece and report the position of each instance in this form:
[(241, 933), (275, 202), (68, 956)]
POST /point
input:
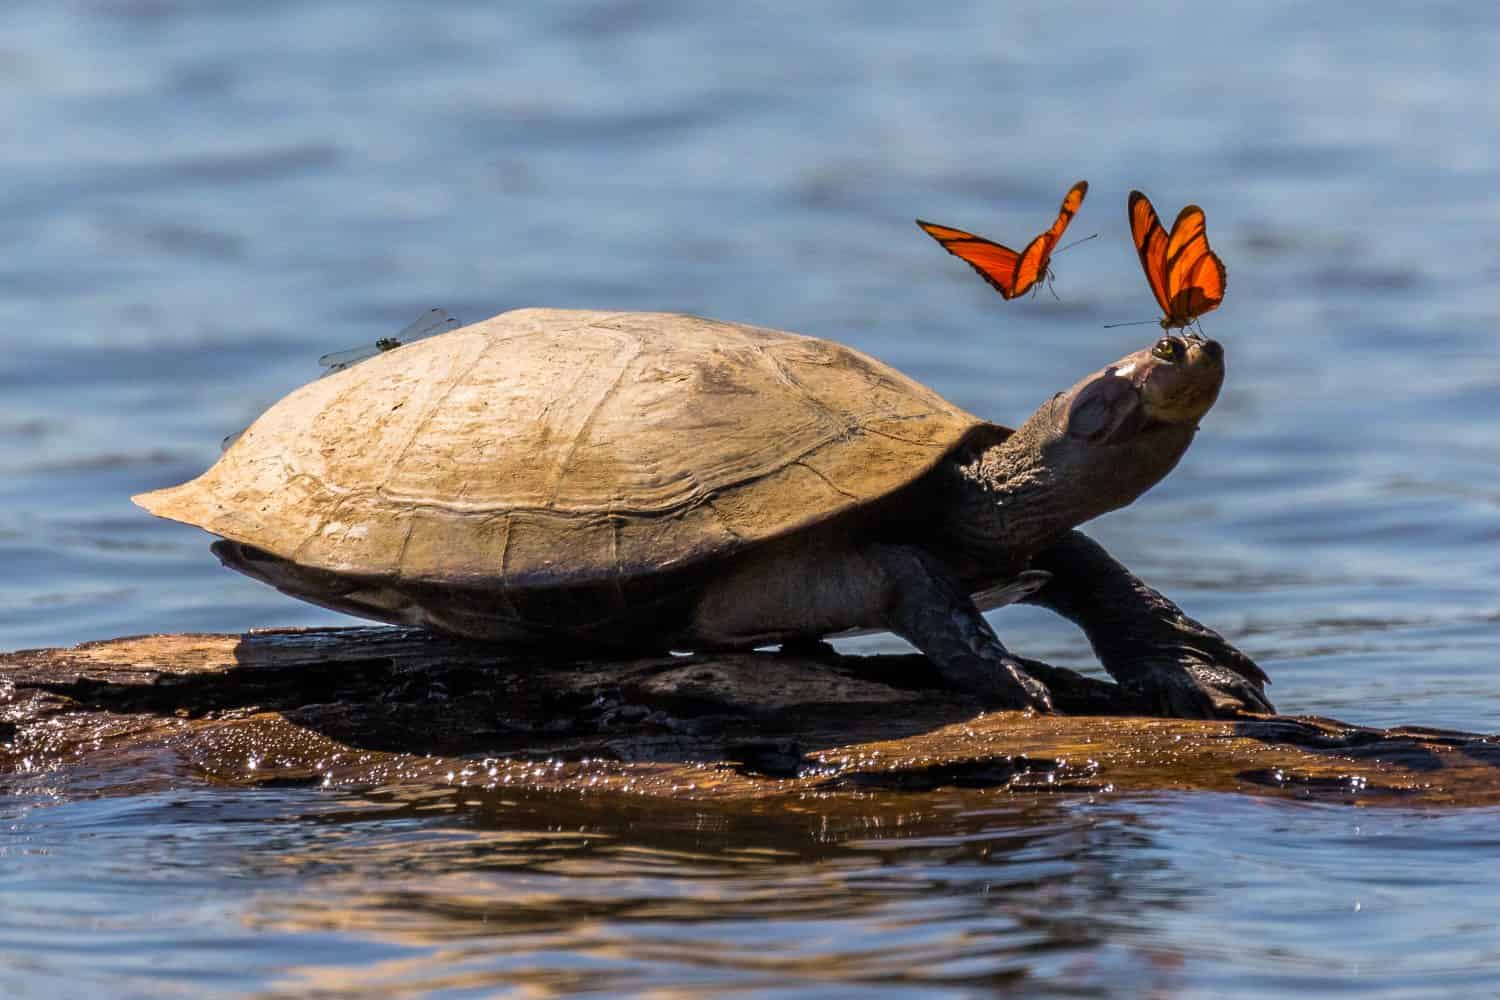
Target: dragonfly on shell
[(431, 323)]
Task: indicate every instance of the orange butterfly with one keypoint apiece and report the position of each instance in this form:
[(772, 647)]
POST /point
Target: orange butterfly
[(1009, 272), (1187, 278)]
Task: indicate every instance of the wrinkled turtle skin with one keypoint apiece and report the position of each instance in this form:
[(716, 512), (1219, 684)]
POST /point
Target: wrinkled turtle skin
[(650, 481)]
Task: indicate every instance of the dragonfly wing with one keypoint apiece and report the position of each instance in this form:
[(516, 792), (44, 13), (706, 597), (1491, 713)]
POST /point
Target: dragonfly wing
[(431, 323)]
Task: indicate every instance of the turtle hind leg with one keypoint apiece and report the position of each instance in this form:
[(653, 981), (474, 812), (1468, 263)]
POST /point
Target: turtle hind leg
[(931, 610)]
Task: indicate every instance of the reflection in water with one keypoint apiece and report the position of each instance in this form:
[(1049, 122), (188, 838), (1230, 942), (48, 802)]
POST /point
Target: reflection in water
[(416, 888), (534, 890)]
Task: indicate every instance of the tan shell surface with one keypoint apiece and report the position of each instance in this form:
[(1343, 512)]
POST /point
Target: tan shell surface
[(547, 446)]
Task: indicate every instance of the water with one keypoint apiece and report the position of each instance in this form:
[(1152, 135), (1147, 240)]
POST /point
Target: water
[(460, 892), (199, 200)]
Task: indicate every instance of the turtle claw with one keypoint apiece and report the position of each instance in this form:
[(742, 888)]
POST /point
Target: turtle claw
[(1199, 689), (1014, 689), (1073, 693), (1165, 662)]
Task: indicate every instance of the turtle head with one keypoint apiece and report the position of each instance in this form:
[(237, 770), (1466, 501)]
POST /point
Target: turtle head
[(1096, 447), (1170, 384), (1115, 434)]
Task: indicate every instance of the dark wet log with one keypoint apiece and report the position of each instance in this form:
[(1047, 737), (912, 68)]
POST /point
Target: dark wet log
[(370, 706)]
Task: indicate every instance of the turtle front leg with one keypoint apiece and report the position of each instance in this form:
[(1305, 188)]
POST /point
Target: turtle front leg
[(928, 608), (1174, 665)]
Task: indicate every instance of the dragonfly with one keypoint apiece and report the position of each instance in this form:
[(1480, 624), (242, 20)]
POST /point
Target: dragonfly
[(431, 323)]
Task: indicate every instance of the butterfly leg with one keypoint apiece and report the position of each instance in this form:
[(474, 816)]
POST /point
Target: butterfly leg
[(1167, 662)]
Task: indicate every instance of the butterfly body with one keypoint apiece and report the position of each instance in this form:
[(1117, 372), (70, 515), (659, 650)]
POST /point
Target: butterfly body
[(1008, 272), (1186, 277)]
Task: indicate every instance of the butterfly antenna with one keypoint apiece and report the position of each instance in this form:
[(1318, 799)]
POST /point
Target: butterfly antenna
[(1111, 326), (1083, 239)]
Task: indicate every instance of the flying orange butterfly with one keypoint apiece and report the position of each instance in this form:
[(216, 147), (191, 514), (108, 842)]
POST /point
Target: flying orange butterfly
[(1187, 278), (1009, 272)]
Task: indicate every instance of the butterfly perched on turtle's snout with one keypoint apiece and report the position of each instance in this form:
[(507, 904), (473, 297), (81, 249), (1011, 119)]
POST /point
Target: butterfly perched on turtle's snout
[(1187, 278)]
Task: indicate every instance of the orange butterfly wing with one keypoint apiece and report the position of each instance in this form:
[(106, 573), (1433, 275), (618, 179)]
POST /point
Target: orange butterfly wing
[(993, 262), (1151, 245), (1196, 278), (1010, 273), (1032, 266), (1187, 278)]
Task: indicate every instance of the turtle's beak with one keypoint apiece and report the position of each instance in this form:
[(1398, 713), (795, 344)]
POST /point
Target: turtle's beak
[(1181, 391)]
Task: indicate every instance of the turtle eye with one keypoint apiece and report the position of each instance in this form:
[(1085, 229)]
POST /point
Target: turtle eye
[(1168, 349)]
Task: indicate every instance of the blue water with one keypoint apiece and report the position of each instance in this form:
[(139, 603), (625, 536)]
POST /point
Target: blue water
[(199, 199)]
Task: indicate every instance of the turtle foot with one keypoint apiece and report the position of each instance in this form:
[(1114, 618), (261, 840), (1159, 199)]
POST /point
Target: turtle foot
[(1011, 687), (1194, 688), (1165, 662), (1078, 694)]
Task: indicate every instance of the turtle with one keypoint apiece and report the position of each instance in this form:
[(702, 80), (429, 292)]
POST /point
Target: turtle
[(638, 483)]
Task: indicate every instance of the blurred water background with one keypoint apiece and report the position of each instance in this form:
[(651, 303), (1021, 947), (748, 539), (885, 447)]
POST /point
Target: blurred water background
[(199, 199)]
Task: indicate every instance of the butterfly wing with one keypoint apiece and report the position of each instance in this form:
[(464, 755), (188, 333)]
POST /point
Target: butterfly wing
[(993, 262), (1032, 266), (1071, 202), (1195, 276), (1151, 244)]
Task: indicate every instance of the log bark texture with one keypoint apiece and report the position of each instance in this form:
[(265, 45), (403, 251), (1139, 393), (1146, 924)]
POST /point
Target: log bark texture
[(370, 706)]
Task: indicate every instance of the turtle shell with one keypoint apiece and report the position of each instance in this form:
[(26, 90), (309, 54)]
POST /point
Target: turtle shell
[(547, 447)]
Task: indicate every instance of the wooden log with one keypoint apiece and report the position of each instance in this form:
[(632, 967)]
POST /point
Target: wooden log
[(372, 706)]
